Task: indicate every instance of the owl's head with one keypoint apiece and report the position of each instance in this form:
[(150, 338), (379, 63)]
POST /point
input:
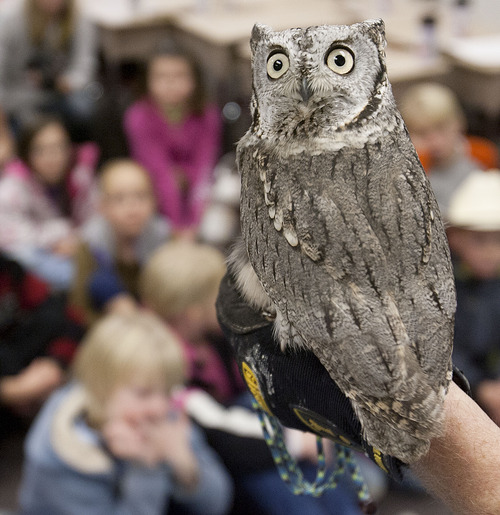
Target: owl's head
[(324, 77)]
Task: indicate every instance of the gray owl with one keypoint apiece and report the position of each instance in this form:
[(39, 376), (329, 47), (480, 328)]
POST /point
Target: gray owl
[(342, 238)]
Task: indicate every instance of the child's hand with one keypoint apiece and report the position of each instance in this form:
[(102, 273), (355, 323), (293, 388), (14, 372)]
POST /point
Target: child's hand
[(146, 425), (302, 445), (32, 385), (170, 439), (127, 441)]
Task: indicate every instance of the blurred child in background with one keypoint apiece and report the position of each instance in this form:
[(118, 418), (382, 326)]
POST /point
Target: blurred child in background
[(437, 126), (176, 135), (37, 341), (474, 237), (117, 241), (180, 283), (48, 61), (116, 441), (45, 196)]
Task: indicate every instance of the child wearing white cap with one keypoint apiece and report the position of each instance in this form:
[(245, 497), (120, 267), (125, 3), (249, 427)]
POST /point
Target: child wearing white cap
[(474, 237)]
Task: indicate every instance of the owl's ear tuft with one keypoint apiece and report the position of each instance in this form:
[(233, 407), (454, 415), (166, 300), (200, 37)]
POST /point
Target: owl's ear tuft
[(259, 31), (376, 31)]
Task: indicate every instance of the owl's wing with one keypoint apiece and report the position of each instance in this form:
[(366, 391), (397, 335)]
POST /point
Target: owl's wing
[(350, 247)]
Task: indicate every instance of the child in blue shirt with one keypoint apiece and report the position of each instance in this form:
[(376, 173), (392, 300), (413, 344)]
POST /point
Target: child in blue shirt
[(116, 441)]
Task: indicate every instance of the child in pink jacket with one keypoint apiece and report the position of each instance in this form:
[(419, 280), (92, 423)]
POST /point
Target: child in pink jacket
[(176, 136)]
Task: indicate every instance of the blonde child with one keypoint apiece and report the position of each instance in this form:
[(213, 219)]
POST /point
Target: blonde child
[(437, 126), (117, 241), (116, 440), (180, 283), (176, 135)]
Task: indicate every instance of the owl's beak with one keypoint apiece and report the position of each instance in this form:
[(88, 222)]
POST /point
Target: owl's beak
[(305, 90)]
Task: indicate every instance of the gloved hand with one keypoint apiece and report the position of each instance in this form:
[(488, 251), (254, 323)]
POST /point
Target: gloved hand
[(293, 385)]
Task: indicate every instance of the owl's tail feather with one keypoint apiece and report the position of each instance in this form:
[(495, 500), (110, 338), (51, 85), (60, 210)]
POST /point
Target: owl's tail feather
[(398, 435)]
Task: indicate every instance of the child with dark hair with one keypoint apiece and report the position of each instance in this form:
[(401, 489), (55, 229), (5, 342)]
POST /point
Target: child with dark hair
[(45, 196), (175, 134), (38, 338)]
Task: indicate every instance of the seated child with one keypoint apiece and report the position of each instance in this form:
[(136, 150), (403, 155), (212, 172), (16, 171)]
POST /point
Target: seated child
[(49, 61), (180, 283), (474, 236), (37, 341), (437, 126), (44, 197), (116, 440), (176, 135), (117, 241)]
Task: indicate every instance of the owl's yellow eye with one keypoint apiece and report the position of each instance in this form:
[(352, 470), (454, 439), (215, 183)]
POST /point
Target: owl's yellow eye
[(277, 65), (340, 60)]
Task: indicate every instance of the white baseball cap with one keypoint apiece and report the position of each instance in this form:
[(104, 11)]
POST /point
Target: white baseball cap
[(476, 203)]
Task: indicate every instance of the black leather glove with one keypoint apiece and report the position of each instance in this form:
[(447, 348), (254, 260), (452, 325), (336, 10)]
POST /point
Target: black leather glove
[(293, 385)]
